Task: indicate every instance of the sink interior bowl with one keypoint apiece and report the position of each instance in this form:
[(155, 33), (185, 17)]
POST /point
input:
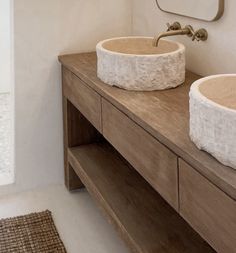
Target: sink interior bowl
[(221, 90), (213, 117), (133, 63), (139, 46)]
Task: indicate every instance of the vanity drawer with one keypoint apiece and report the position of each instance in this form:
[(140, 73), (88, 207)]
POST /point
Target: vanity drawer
[(209, 210), (86, 100), (156, 163)]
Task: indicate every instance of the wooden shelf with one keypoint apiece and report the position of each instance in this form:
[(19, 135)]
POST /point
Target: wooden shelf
[(142, 218), (163, 114)]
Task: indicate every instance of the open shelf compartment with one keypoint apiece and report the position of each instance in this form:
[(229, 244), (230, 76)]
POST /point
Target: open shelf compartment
[(143, 219)]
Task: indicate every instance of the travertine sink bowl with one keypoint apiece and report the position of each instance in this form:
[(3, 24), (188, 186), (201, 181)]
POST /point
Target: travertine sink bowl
[(133, 63), (213, 117)]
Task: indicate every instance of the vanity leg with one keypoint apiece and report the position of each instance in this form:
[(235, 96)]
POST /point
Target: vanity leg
[(70, 122), (77, 131)]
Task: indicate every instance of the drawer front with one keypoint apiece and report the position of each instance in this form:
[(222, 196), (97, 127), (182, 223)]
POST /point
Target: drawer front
[(151, 159), (209, 210), (87, 101)]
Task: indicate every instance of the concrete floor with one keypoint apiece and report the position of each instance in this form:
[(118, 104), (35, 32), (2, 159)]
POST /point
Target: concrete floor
[(80, 224), (5, 139)]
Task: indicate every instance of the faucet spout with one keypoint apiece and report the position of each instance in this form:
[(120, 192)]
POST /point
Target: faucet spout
[(184, 31)]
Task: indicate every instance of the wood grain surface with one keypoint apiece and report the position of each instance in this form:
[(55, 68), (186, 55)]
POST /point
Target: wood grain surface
[(143, 219), (156, 163), (86, 100), (164, 114), (211, 212)]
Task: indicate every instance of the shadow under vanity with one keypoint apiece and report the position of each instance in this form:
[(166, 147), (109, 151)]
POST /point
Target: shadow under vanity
[(132, 152)]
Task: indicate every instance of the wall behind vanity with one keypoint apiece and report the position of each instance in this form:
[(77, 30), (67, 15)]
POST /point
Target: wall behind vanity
[(43, 30), (217, 55)]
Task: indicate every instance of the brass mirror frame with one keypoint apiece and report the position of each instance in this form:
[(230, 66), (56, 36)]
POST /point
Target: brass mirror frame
[(221, 7)]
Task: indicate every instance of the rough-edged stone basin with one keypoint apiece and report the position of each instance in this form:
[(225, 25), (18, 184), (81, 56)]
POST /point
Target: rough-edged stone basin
[(133, 63), (213, 117)]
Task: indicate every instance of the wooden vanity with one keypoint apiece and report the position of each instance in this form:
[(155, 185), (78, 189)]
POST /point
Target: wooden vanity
[(132, 152)]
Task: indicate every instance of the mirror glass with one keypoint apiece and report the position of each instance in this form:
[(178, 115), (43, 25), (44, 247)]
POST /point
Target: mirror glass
[(208, 10)]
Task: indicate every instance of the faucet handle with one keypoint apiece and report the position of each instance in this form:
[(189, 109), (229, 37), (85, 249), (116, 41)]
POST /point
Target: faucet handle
[(175, 26), (168, 26), (191, 31), (200, 35)]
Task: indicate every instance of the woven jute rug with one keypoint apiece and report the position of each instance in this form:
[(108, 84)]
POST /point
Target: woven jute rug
[(33, 233)]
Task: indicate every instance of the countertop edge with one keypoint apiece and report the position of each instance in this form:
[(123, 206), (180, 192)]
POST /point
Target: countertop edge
[(220, 183)]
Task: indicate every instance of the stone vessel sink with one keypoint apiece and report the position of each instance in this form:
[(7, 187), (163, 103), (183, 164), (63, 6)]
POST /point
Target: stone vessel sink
[(213, 117), (133, 63)]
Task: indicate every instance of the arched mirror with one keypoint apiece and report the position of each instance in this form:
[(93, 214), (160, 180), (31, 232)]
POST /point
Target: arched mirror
[(208, 10)]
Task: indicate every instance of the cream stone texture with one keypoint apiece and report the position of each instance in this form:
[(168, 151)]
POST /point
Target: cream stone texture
[(133, 63), (213, 117)]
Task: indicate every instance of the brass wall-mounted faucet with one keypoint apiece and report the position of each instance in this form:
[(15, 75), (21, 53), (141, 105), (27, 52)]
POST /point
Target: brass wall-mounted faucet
[(176, 29)]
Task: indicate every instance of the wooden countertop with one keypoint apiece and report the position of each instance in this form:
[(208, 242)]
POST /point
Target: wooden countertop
[(164, 114)]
